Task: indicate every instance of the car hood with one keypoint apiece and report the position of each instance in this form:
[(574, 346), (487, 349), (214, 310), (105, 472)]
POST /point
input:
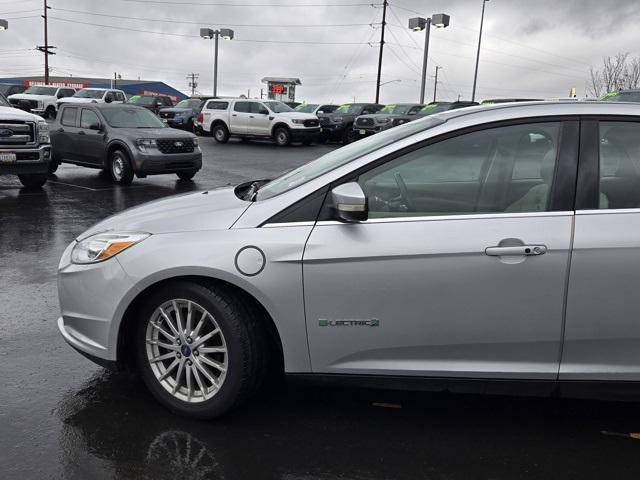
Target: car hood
[(29, 96), (152, 133), (299, 115), (9, 113), (176, 109), (80, 100), (209, 210)]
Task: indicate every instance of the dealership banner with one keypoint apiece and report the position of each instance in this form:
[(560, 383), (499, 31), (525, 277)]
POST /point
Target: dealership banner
[(39, 83)]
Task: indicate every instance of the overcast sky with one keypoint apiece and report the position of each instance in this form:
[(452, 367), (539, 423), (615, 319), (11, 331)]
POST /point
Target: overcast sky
[(530, 48)]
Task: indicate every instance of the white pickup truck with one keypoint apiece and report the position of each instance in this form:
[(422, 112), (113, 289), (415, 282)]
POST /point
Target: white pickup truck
[(95, 95), (41, 99), (25, 148), (268, 119)]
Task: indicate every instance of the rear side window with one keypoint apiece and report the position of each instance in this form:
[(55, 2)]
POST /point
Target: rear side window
[(217, 105), (619, 165), (69, 116), (244, 107)]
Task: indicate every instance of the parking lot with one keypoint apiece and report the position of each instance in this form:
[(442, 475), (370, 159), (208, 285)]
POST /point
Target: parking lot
[(63, 417)]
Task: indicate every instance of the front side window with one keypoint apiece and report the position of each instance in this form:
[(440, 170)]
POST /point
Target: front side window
[(88, 118), (619, 165), (69, 115), (259, 108), (504, 169)]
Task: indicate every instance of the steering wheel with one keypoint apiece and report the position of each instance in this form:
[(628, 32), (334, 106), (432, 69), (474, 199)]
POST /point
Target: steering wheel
[(404, 191)]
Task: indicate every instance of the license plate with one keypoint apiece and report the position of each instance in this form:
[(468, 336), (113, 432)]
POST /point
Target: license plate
[(363, 132), (7, 158)]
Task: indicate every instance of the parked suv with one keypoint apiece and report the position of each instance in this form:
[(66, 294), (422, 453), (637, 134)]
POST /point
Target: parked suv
[(338, 125), (25, 149), (124, 140), (391, 115), (152, 102), (41, 100), (184, 114), (247, 118), (95, 95)]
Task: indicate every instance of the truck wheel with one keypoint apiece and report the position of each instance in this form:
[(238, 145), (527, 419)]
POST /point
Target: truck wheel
[(50, 113), (349, 135), (199, 349), (53, 166), (187, 175), (120, 168), (282, 136), (220, 133), (33, 180)]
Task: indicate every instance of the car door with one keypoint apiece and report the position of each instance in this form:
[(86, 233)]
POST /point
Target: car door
[(602, 333), (66, 133), (90, 142), (259, 122), (460, 269), (239, 121)]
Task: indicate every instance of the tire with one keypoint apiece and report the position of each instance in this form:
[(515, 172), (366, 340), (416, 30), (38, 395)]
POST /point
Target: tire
[(120, 168), (239, 346), (348, 136), (186, 175), (33, 180), (282, 136), (50, 113), (53, 166), (220, 133)]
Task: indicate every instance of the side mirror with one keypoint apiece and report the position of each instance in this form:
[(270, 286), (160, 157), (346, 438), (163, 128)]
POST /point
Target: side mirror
[(319, 112), (95, 126), (350, 202)]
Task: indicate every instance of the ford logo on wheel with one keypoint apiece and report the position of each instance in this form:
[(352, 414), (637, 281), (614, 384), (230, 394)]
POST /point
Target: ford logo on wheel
[(5, 132)]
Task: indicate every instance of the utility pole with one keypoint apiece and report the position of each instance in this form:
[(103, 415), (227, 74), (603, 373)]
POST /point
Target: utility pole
[(46, 48), (384, 23), (435, 84), (475, 75), (193, 84)]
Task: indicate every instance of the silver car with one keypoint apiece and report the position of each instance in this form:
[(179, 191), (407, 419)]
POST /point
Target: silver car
[(495, 243)]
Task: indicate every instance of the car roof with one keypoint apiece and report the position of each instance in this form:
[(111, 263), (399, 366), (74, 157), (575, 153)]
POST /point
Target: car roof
[(108, 106)]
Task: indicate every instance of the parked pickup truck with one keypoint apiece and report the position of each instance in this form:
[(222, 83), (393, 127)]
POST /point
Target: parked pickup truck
[(41, 99), (248, 119), (25, 149)]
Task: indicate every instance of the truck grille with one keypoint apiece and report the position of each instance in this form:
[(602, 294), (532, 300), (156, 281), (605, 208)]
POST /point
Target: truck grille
[(312, 123), (17, 134), (364, 122), (167, 114), (324, 121), (175, 145), (26, 105)]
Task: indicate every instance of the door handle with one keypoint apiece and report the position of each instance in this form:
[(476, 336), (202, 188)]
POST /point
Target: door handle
[(234, 115), (525, 250), (251, 116)]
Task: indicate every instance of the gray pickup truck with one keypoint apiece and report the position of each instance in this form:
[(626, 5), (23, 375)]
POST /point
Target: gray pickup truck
[(25, 148)]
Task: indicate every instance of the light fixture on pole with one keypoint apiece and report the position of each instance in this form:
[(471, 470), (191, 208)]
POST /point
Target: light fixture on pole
[(208, 34), (475, 74), (4, 25), (439, 20)]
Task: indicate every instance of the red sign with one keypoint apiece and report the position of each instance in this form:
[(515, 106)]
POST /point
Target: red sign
[(39, 83), (277, 88), (173, 98)]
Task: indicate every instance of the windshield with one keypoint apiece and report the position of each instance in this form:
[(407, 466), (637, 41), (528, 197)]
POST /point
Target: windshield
[(349, 109), (189, 103), (278, 107), (307, 107), (394, 109), (622, 97), (138, 100), (131, 118), (342, 156), (3, 101), (89, 94), (434, 108), (41, 90)]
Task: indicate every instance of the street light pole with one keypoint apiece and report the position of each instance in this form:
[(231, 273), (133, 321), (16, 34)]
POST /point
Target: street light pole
[(215, 64), (475, 75), (208, 34), (384, 24), (435, 84), (439, 20), (425, 58)]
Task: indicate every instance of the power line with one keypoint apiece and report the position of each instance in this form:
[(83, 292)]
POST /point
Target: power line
[(273, 5), (212, 22)]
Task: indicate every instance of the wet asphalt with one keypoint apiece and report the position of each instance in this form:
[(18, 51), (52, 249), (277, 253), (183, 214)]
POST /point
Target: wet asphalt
[(63, 417)]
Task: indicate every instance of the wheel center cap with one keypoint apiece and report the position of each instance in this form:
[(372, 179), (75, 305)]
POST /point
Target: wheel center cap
[(185, 350)]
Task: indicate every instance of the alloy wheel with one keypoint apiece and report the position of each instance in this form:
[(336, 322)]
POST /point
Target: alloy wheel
[(117, 167), (186, 350)]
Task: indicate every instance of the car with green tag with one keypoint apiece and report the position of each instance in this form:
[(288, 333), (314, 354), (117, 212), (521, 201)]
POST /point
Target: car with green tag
[(390, 116)]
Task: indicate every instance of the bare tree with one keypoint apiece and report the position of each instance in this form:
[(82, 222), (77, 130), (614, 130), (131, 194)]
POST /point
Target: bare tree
[(617, 73)]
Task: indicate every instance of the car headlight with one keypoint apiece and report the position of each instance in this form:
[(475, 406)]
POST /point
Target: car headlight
[(43, 132), (144, 143), (297, 121), (102, 246), (40, 104), (195, 142)]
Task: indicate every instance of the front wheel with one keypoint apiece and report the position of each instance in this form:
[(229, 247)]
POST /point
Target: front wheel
[(33, 180), (197, 349), (120, 168), (186, 175), (282, 137)]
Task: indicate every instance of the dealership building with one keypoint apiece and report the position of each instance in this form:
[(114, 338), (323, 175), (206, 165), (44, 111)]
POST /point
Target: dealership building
[(130, 87)]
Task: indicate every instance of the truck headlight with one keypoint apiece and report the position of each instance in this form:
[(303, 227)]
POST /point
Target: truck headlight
[(297, 121), (43, 132), (102, 246), (40, 104), (144, 143)]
